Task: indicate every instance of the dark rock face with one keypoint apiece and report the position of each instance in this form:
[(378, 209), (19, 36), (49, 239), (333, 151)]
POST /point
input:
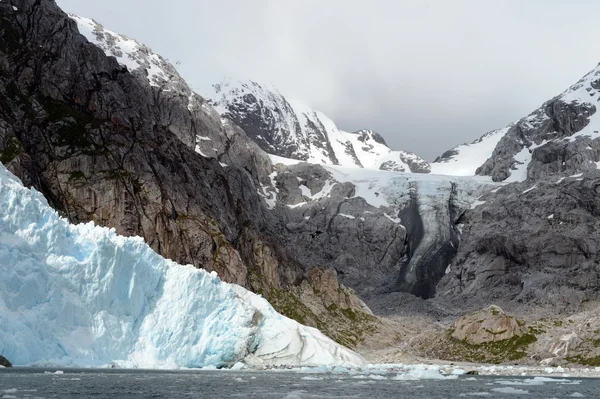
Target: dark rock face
[(366, 135), (445, 156), (270, 120), (4, 362), (97, 143), (340, 232), (534, 244)]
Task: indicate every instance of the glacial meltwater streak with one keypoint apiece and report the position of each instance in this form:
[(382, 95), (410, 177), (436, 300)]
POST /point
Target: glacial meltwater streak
[(98, 383)]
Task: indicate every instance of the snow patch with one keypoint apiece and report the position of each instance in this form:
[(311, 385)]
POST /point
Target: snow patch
[(530, 189)]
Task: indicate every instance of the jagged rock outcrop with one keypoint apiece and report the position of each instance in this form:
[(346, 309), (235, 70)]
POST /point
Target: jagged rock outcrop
[(531, 244), (293, 130), (4, 362), (487, 325), (546, 137), (135, 151)]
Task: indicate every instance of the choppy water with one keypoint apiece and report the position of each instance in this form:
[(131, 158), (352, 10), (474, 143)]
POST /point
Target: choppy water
[(39, 383)]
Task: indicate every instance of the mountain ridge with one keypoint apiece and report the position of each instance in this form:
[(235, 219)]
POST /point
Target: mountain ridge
[(290, 129), (567, 124)]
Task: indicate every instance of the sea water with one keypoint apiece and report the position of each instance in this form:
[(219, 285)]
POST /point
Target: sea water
[(93, 383)]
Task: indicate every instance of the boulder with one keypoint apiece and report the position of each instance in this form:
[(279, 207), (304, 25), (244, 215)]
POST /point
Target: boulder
[(487, 325)]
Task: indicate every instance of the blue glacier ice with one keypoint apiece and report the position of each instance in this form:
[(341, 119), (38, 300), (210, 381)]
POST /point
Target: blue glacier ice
[(81, 295)]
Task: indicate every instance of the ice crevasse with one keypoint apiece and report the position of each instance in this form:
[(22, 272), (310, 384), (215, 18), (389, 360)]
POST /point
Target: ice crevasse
[(81, 295)]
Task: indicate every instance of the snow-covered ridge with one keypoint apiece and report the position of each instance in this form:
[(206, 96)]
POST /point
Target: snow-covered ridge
[(464, 159), (573, 112), (129, 52), (291, 129), (81, 295), (154, 70)]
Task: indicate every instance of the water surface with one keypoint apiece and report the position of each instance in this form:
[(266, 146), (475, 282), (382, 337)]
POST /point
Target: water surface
[(77, 383)]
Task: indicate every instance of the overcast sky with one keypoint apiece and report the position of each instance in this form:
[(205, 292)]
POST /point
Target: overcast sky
[(427, 75)]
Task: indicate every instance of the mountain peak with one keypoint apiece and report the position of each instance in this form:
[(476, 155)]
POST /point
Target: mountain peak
[(561, 137), (366, 134), (290, 129)]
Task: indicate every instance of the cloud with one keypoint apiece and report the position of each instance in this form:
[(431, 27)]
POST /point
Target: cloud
[(427, 74)]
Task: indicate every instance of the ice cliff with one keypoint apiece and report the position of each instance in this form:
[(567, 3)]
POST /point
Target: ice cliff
[(81, 295)]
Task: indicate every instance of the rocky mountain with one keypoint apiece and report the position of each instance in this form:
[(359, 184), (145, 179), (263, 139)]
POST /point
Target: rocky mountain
[(533, 243), (124, 142), (147, 157), (293, 130), (406, 269), (560, 138), (109, 132)]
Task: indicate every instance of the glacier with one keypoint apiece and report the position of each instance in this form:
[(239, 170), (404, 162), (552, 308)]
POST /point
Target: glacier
[(83, 296)]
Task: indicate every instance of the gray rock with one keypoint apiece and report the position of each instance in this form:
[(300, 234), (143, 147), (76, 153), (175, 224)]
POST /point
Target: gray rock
[(405, 246), (550, 124), (530, 244)]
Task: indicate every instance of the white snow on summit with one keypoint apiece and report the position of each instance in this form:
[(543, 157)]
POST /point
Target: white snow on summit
[(128, 52), (291, 129), (464, 159), (295, 129), (81, 295)]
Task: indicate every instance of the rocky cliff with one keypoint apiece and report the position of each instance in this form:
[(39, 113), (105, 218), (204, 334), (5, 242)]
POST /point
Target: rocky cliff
[(381, 231), (531, 245), (123, 141)]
